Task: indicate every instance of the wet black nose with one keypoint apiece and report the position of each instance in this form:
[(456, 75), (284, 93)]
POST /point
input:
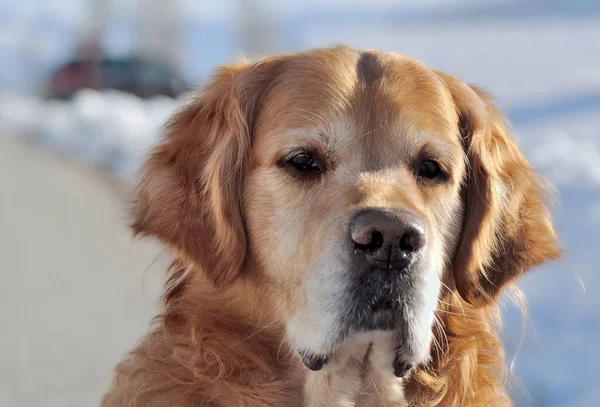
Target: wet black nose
[(387, 236)]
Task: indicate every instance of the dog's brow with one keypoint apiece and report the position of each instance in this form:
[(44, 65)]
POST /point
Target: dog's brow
[(316, 135)]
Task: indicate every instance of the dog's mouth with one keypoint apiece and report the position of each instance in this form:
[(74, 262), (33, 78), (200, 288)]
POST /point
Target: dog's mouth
[(379, 309), (378, 303)]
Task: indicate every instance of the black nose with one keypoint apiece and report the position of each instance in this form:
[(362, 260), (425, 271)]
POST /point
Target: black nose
[(387, 236)]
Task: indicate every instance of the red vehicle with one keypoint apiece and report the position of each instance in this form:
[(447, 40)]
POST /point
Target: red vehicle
[(140, 76)]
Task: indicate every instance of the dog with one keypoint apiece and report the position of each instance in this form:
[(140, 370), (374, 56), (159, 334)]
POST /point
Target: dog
[(343, 223)]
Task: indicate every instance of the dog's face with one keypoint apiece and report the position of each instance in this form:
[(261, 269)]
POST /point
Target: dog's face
[(350, 186), (352, 200)]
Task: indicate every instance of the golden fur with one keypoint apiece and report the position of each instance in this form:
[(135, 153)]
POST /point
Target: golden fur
[(243, 231)]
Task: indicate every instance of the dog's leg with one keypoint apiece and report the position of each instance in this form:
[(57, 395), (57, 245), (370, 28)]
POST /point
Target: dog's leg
[(381, 387), (340, 381)]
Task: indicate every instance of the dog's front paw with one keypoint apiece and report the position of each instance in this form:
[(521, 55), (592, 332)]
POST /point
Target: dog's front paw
[(338, 381), (383, 382)]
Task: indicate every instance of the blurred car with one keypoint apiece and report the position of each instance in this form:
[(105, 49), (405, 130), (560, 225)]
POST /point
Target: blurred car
[(140, 76)]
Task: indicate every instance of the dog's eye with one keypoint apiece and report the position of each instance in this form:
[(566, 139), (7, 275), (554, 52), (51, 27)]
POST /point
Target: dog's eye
[(430, 169), (304, 162)]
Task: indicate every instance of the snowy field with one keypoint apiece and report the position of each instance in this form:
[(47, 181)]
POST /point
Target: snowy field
[(542, 62)]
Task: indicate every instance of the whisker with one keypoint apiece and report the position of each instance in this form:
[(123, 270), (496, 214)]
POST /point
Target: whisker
[(435, 339), (251, 335), (378, 393), (451, 306), (458, 299), (443, 335), (452, 313)]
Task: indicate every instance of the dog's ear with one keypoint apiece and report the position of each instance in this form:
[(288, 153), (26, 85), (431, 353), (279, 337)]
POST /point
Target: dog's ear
[(507, 228), (191, 185)]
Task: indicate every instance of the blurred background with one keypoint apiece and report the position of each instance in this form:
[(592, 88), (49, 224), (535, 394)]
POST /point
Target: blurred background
[(86, 84)]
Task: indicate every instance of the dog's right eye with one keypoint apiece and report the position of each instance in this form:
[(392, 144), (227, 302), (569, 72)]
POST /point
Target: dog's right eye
[(304, 163)]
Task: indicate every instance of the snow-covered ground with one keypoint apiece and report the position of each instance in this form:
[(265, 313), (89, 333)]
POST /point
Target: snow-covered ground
[(111, 129), (541, 59)]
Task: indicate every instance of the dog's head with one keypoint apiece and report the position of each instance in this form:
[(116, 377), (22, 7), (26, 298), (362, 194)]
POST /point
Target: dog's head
[(350, 186)]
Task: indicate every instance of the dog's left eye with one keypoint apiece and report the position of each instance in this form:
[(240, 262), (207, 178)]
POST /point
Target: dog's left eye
[(430, 169), (304, 162)]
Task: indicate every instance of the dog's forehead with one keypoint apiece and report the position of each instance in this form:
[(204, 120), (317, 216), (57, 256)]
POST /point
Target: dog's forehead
[(365, 93)]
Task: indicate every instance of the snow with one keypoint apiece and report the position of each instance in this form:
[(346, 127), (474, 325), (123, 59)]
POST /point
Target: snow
[(541, 61), (111, 129)]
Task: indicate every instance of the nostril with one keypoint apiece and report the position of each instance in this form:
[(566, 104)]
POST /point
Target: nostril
[(412, 241), (376, 240), (373, 243)]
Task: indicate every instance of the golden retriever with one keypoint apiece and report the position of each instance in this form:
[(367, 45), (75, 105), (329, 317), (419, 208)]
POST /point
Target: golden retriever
[(343, 224)]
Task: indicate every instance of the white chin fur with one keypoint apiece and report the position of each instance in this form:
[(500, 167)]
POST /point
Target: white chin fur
[(315, 328)]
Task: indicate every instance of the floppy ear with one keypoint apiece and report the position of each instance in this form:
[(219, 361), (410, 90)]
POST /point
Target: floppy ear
[(190, 192), (507, 228)]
